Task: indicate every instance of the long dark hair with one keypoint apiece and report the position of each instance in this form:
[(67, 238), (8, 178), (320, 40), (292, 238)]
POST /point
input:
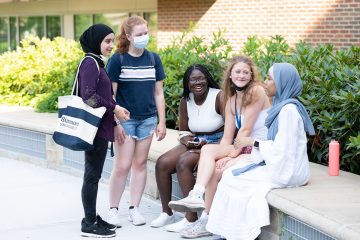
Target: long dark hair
[(201, 68)]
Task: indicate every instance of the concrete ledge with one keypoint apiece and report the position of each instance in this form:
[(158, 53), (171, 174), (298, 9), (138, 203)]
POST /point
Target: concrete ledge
[(328, 203), (27, 125)]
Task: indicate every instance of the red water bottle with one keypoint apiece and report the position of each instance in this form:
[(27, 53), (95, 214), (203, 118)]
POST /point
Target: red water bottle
[(334, 150)]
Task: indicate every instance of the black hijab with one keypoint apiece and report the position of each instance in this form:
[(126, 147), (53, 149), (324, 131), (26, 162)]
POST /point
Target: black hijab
[(91, 40)]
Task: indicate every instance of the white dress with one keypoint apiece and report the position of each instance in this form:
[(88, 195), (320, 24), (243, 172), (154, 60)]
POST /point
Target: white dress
[(239, 208)]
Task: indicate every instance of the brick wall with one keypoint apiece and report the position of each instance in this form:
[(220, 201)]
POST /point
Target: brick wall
[(336, 21)]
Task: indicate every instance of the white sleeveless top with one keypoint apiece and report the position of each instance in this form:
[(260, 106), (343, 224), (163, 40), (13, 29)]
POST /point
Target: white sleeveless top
[(204, 118), (259, 131)]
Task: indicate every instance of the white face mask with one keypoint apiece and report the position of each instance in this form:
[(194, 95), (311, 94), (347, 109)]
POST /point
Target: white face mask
[(141, 42)]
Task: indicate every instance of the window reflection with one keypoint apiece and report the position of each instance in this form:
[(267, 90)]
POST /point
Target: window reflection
[(113, 20), (152, 19), (82, 22), (53, 27), (31, 26), (13, 39), (4, 34)]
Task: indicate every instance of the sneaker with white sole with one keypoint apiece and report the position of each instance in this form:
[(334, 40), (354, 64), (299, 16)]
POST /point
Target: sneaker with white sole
[(96, 230), (135, 217), (162, 220), (180, 226), (192, 203), (196, 231), (105, 224), (113, 217)]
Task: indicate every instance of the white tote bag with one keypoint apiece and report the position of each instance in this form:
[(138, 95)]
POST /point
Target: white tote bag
[(78, 122)]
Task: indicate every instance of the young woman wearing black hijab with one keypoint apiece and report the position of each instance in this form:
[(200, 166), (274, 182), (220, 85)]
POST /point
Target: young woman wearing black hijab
[(95, 90)]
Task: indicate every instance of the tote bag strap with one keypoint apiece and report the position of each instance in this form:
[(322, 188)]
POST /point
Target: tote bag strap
[(76, 81)]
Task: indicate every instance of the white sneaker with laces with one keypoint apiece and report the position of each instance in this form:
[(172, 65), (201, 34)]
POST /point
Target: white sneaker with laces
[(198, 230), (113, 217), (192, 203), (180, 226), (135, 217), (162, 220)]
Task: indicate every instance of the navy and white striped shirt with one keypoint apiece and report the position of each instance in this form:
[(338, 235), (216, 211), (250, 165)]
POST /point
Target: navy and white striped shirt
[(136, 82)]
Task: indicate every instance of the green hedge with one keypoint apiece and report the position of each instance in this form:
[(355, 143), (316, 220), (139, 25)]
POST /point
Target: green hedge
[(331, 92), (36, 74)]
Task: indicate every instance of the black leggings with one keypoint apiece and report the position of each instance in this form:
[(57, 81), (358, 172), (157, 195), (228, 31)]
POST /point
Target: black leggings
[(94, 162)]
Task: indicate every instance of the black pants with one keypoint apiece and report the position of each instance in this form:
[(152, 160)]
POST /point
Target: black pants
[(94, 162)]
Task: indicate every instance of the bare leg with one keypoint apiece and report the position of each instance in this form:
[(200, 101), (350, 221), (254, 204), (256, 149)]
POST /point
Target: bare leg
[(209, 155), (214, 181), (122, 164), (184, 169), (165, 166), (139, 171)]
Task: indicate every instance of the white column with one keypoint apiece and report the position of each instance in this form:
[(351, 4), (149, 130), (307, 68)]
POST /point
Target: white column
[(68, 26)]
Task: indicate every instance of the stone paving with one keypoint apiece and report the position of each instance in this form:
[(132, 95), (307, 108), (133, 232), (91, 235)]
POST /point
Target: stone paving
[(42, 204)]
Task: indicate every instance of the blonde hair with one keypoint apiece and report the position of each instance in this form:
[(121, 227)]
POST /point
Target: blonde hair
[(122, 43), (249, 95)]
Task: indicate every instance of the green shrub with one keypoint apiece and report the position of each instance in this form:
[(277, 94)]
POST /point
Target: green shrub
[(38, 72), (331, 96)]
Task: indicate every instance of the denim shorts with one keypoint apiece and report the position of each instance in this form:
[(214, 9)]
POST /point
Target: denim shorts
[(212, 138), (140, 128)]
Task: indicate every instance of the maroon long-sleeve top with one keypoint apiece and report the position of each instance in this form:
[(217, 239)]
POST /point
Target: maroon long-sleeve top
[(98, 94)]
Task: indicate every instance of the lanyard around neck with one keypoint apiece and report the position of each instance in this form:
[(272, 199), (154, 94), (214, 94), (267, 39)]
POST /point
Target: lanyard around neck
[(238, 119)]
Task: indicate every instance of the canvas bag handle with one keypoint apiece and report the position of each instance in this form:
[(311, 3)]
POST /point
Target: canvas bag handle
[(76, 81)]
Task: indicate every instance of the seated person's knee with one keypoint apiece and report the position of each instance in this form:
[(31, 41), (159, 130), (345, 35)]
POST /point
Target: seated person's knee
[(162, 164), (182, 164)]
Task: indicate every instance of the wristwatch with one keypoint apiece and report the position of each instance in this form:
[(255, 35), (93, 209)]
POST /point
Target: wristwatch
[(116, 123), (256, 144)]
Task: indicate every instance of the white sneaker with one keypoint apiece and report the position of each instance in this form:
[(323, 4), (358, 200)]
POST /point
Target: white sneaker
[(180, 226), (198, 230), (113, 217), (162, 220), (135, 217), (192, 203)]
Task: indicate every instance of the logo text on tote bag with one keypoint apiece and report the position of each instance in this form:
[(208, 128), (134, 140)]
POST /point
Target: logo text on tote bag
[(64, 119)]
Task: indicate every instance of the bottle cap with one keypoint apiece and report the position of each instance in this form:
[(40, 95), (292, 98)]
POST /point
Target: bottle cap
[(333, 137)]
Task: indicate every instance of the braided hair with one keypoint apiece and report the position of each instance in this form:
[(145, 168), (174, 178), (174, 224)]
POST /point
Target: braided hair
[(201, 68)]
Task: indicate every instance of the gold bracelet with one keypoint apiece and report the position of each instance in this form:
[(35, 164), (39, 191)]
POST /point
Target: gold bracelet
[(231, 156), (186, 144)]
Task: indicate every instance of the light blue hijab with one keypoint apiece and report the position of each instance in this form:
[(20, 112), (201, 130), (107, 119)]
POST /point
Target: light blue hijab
[(288, 87)]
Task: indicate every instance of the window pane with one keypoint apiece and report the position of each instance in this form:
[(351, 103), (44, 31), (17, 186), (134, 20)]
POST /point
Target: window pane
[(3, 34), (113, 20), (13, 26), (82, 22), (53, 27), (31, 26), (152, 19)]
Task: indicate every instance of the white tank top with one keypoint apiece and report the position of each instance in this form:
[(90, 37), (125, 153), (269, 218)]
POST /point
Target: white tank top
[(204, 118), (259, 131)]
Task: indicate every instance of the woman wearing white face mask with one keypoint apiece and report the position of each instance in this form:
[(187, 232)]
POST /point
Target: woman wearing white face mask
[(136, 76)]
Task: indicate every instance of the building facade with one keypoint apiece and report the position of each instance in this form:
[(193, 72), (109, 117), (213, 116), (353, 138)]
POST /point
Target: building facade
[(67, 18), (316, 21)]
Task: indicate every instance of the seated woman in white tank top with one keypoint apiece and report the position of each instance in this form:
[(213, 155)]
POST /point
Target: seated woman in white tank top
[(200, 122), (246, 108)]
